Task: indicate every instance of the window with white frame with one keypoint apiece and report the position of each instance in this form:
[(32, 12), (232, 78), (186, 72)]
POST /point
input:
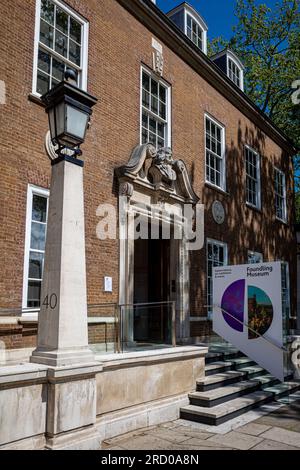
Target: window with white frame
[(280, 195), (155, 125), (254, 257), (61, 43), (216, 256), (36, 223), (234, 73), (194, 31), (215, 153), (252, 178)]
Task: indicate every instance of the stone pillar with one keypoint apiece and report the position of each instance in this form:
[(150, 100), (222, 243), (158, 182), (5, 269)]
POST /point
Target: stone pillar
[(62, 330)]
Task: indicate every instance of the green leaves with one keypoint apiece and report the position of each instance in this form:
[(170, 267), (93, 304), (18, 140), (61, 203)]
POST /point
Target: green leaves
[(268, 43)]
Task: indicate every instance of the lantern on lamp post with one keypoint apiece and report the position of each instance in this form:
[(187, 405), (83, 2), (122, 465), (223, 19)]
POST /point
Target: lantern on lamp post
[(62, 329), (69, 110)]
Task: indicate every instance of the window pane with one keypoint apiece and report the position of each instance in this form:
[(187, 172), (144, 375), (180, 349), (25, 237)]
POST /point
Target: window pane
[(162, 110), (145, 120), (58, 69), (39, 208), (38, 236), (61, 43), (46, 34), (152, 139), (62, 20), (146, 99), (43, 83), (34, 294), (160, 143), (44, 61), (47, 11), (160, 129), (162, 93), (154, 104), (146, 81), (75, 30), (74, 52), (154, 88), (152, 125), (144, 136), (36, 265)]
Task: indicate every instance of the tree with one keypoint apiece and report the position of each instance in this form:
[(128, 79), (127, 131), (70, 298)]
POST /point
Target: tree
[(268, 43)]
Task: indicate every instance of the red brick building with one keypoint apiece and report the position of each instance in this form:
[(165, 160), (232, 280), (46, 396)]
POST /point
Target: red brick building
[(155, 84)]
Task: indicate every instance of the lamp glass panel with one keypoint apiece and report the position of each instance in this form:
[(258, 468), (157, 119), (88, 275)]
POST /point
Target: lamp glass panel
[(60, 110), (76, 122), (52, 124)]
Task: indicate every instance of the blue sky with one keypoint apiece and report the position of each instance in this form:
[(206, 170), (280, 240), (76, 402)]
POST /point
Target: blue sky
[(218, 14)]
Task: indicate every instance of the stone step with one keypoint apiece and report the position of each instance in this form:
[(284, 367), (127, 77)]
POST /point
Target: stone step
[(222, 352), (223, 394), (218, 380), (253, 371), (224, 412), (282, 389), (216, 367), (239, 362), (212, 357)]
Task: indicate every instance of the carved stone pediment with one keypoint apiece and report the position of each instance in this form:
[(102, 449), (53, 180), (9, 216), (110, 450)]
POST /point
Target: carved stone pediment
[(157, 170)]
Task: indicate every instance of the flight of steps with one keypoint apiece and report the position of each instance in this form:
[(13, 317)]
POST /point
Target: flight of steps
[(233, 385)]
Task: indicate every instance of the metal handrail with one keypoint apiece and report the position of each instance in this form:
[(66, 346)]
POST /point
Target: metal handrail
[(282, 348)]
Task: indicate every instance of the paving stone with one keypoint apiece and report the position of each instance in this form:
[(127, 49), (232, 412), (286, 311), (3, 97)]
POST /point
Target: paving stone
[(236, 440), (282, 435), (253, 429), (114, 448), (186, 431), (272, 445), (198, 442), (170, 425), (149, 442), (169, 435)]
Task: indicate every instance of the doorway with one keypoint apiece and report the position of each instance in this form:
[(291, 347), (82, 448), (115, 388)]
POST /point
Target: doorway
[(153, 286)]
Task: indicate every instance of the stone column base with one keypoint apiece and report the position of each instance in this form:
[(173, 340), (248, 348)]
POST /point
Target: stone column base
[(87, 438)]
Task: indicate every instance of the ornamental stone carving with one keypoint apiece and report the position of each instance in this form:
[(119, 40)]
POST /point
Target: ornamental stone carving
[(157, 170)]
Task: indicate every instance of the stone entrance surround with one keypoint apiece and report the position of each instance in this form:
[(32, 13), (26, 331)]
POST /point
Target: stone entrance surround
[(77, 407)]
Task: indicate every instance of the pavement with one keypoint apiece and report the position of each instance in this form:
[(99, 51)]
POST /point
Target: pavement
[(275, 426)]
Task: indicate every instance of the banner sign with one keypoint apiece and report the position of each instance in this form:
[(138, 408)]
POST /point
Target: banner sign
[(247, 312)]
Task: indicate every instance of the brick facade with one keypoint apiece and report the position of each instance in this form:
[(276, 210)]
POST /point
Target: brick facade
[(118, 45)]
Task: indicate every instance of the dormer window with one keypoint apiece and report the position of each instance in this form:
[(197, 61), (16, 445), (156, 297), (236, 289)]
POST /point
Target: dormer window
[(234, 72), (231, 65), (191, 24), (194, 32)]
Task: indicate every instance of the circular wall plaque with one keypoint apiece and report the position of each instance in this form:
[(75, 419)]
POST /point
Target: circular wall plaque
[(218, 212)]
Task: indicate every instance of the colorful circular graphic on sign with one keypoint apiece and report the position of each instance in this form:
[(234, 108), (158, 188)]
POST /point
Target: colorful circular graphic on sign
[(260, 309)]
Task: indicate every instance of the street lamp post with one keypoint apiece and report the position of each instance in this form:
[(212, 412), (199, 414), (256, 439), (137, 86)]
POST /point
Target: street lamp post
[(62, 330)]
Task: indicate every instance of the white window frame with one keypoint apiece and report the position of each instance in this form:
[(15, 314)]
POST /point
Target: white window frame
[(84, 48), (258, 165), (211, 241), (201, 26), (31, 191), (223, 152), (284, 219), (168, 120), (241, 71), (255, 253)]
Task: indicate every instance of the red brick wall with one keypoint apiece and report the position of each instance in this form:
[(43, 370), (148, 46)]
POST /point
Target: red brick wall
[(118, 44)]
